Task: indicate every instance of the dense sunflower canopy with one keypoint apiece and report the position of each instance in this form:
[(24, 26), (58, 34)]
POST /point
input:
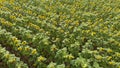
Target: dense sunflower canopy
[(60, 33)]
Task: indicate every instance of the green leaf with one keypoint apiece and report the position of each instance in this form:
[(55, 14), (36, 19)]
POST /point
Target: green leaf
[(60, 66), (96, 65)]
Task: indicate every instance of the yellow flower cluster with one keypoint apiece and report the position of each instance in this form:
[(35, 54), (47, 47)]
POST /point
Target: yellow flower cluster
[(54, 48), (41, 59), (12, 17), (101, 49), (41, 17), (15, 40), (109, 58), (20, 48), (24, 43), (12, 60), (27, 48), (9, 58), (34, 51), (29, 12), (70, 56), (34, 26), (6, 23), (112, 63), (109, 50)]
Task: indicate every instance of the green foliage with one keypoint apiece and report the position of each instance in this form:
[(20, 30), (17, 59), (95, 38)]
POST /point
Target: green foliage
[(60, 33)]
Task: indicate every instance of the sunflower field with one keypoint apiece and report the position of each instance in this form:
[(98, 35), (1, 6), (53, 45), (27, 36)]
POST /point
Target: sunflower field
[(59, 33)]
